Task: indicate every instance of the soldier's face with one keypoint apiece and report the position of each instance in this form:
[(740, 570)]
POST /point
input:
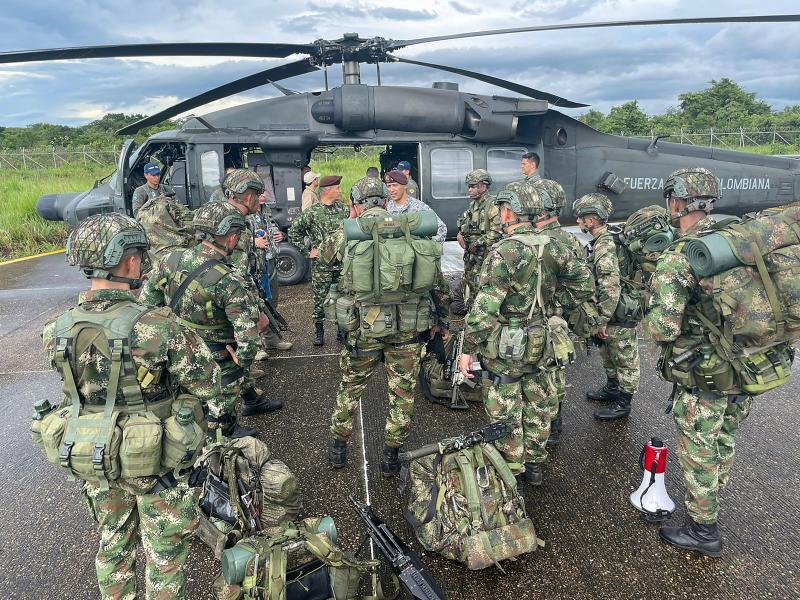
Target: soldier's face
[(152, 180), (528, 167), (396, 191), (476, 190)]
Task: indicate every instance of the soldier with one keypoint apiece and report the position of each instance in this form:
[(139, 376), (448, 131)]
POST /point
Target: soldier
[(553, 199), (478, 229), (158, 355), (530, 166), (310, 195), (318, 223), (515, 291), (619, 344), (218, 195), (400, 202), (365, 347), (412, 189), (208, 295), (706, 421), (149, 190)]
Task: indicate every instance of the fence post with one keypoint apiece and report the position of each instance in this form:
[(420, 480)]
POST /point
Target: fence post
[(24, 163), (711, 138)]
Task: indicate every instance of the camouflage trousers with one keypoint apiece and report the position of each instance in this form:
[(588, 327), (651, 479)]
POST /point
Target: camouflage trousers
[(162, 521), (620, 354), (402, 364), (707, 424), (527, 406), (321, 281)]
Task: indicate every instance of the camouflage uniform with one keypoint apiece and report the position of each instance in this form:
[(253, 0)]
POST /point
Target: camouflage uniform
[(126, 511), (412, 189), (414, 205), (144, 192), (532, 178), (318, 222), (529, 401), (168, 225)]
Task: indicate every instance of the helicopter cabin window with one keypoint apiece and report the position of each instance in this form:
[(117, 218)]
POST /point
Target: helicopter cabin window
[(211, 173), (503, 164), (448, 168)]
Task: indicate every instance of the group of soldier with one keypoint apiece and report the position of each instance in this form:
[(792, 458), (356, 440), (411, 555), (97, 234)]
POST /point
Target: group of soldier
[(201, 313)]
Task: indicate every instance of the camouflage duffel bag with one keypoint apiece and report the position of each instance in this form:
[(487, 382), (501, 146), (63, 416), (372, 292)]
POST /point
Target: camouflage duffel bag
[(465, 506)]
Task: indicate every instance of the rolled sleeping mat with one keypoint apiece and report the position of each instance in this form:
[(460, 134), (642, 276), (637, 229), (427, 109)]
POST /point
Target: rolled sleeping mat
[(421, 224), (658, 242), (710, 254)]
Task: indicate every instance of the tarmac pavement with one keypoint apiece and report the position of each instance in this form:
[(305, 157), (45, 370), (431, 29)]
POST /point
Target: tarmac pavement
[(597, 546)]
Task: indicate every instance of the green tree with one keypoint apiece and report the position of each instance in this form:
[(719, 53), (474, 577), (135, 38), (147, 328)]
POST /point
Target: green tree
[(725, 104), (594, 119), (627, 118)]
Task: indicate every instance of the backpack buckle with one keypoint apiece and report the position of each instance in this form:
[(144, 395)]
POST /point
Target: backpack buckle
[(97, 456), (482, 476), (65, 453)]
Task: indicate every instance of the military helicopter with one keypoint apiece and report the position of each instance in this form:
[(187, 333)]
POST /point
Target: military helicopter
[(442, 131)]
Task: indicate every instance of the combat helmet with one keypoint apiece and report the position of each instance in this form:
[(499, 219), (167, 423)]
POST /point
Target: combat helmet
[(100, 242), (552, 194), (647, 232), (216, 219), (239, 181), (478, 175), (522, 199), (697, 186), (369, 190), (593, 204)]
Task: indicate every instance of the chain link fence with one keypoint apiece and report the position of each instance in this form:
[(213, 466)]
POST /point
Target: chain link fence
[(52, 157)]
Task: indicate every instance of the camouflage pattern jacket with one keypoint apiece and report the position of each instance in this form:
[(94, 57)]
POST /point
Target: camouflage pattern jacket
[(673, 287), (603, 257), (158, 344), (412, 188), (318, 223), (571, 241), (244, 259), (414, 205), (228, 305), (532, 178), (498, 299), (168, 225), (143, 193), (480, 228)]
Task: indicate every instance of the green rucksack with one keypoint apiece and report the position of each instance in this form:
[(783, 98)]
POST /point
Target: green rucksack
[(465, 506), (168, 225), (292, 562)]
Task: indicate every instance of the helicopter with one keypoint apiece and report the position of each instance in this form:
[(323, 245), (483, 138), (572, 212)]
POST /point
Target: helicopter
[(441, 131)]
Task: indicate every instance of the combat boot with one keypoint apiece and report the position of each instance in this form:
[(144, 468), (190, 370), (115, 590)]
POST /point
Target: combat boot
[(255, 404), (533, 474), (608, 393), (619, 410), (319, 334), (279, 345), (701, 538), (337, 453), (556, 425), (240, 431), (390, 464)]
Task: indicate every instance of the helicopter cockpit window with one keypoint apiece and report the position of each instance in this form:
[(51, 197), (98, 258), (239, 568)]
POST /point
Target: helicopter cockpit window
[(211, 173), (503, 165), (448, 168)]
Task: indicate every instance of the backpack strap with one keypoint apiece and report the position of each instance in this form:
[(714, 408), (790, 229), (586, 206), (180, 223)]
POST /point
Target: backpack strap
[(537, 244), (276, 585), (179, 293)]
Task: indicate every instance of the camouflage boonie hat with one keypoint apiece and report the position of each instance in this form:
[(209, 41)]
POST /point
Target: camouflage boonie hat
[(692, 183), (368, 188), (522, 198), (217, 218), (593, 204), (239, 180), (478, 175), (99, 242), (552, 194)]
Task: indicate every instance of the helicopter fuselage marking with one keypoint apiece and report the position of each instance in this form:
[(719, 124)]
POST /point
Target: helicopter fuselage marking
[(731, 183)]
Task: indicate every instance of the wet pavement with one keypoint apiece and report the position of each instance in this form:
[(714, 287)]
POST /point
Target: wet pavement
[(597, 546)]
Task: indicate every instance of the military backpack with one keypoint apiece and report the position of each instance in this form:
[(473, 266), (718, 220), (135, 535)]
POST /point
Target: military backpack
[(168, 225)]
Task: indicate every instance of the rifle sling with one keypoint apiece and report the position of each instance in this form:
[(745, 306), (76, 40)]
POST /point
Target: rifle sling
[(179, 293)]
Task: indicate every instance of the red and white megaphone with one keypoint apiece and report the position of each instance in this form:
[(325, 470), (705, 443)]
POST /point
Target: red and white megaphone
[(652, 498)]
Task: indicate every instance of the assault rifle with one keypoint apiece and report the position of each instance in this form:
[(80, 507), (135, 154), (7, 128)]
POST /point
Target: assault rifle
[(405, 564), (452, 373), (487, 433)]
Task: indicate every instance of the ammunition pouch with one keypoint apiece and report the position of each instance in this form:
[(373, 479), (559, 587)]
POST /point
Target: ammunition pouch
[(559, 351), (584, 321), (415, 315), (629, 310)]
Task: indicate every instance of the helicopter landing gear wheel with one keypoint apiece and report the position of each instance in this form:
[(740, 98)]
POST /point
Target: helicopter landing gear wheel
[(292, 266)]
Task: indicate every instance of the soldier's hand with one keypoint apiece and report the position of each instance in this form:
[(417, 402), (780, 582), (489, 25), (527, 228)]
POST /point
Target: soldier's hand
[(277, 236), (461, 242), (262, 242), (439, 329), (263, 322), (465, 366), (603, 333), (232, 352), (314, 253)]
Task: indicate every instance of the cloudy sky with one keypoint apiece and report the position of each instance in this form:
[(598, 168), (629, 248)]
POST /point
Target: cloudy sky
[(598, 67)]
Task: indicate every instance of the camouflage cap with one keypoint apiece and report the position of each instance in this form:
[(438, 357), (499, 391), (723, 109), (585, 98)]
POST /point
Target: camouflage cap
[(593, 204), (99, 242), (217, 218), (552, 194), (239, 180), (369, 188), (478, 175), (522, 199), (697, 186)]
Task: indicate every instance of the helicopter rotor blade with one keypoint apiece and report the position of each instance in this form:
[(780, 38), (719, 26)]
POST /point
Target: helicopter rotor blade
[(503, 83), (396, 44), (293, 69), (257, 50)]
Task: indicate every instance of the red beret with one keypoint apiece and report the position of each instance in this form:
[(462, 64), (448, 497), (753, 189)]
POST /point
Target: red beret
[(330, 180), (396, 177)]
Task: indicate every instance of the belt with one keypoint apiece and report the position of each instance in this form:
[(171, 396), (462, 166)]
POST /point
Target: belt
[(220, 346), (164, 482), (356, 352), (496, 378)]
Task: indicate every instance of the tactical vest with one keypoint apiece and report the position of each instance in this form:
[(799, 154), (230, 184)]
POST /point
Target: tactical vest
[(475, 222), (632, 298), (387, 278), (128, 436)]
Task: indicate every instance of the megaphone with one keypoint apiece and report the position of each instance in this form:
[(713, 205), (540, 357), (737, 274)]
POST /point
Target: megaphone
[(652, 498)]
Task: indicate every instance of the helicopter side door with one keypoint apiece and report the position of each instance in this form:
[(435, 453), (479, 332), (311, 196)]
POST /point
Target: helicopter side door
[(122, 181), (205, 174), (444, 166)]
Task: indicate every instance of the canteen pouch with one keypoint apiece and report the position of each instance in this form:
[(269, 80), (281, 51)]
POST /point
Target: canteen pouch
[(82, 458), (629, 308), (536, 337), (427, 261), (378, 320), (51, 432), (766, 370), (559, 351), (194, 403), (140, 454), (181, 444), (490, 348), (329, 306), (511, 343), (346, 313)]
